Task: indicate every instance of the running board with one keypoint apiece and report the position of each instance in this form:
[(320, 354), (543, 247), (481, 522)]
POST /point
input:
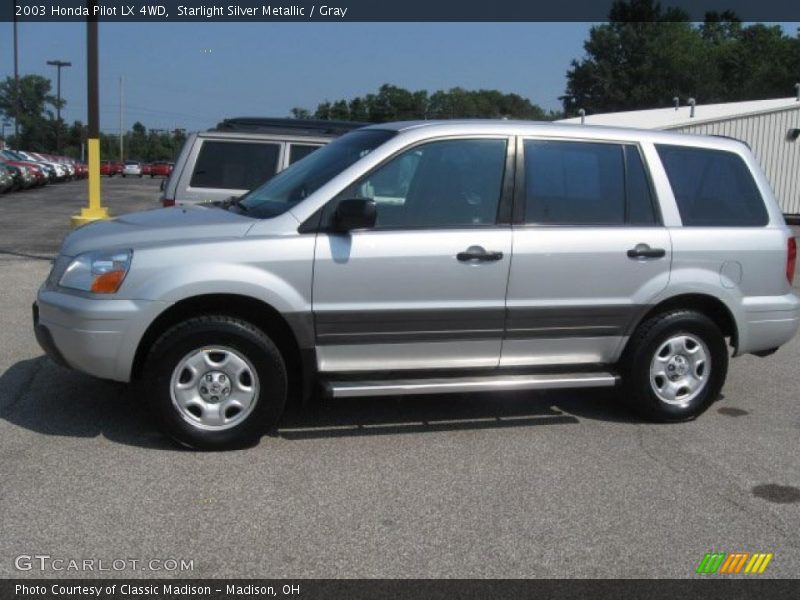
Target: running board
[(450, 385)]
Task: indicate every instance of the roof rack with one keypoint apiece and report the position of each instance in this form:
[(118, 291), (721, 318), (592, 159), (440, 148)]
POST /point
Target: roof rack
[(288, 126)]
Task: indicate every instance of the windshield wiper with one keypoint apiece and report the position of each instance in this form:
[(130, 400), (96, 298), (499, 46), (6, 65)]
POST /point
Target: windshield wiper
[(232, 201)]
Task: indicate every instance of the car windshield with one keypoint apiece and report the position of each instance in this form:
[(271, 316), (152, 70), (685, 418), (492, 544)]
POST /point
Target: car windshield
[(306, 176)]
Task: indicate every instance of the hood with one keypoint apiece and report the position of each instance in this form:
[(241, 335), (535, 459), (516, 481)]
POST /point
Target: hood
[(158, 226)]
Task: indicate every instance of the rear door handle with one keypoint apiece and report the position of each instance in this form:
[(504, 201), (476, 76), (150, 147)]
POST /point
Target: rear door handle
[(478, 253), (645, 251)]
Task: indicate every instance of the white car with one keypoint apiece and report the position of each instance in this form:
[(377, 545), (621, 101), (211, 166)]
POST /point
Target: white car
[(132, 168)]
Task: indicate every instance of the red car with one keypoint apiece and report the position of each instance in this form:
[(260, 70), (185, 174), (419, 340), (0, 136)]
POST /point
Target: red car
[(161, 169), (147, 169), (111, 168)]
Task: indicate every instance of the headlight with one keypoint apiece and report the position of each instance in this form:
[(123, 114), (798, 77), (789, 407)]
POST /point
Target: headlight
[(97, 272)]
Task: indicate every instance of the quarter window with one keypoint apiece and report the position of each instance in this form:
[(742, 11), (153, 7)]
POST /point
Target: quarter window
[(712, 187), (452, 183), (234, 165)]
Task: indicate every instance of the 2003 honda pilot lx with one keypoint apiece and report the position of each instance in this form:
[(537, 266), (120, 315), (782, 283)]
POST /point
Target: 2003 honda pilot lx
[(431, 257)]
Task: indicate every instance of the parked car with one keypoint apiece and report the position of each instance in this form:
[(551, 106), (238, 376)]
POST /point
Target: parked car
[(437, 257), (147, 169), (6, 180), (160, 169), (132, 168), (40, 174), (242, 154), (111, 168), (81, 170), (23, 177)]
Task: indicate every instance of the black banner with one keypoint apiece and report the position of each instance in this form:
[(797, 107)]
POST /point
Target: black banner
[(382, 589), (370, 10)]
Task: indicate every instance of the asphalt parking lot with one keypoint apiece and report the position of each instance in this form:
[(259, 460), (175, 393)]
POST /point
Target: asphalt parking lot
[(563, 484)]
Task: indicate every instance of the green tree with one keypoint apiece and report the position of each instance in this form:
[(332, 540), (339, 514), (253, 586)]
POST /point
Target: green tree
[(36, 106), (645, 56), (393, 103), (300, 113)]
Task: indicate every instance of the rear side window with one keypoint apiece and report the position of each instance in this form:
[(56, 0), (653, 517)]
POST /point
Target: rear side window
[(299, 151), (713, 188), (586, 183), (234, 165)]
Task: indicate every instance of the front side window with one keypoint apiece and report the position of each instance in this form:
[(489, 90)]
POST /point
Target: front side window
[(713, 188), (449, 183), (234, 165)]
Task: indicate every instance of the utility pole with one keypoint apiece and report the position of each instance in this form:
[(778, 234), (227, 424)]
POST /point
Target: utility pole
[(16, 82), (121, 120), (59, 64), (95, 210)]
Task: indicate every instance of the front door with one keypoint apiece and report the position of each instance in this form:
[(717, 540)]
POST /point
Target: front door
[(425, 288)]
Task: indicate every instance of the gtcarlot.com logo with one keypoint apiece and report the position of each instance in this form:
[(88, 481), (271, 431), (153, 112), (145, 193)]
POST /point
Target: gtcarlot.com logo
[(45, 562), (734, 563)]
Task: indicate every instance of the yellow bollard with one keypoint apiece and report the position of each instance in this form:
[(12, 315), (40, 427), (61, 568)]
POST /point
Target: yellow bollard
[(94, 211)]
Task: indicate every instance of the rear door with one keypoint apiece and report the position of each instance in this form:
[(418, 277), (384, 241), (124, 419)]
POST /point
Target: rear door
[(425, 288), (590, 252)]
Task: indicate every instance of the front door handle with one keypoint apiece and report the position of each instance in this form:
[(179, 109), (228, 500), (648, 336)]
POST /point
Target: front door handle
[(478, 253), (645, 251)]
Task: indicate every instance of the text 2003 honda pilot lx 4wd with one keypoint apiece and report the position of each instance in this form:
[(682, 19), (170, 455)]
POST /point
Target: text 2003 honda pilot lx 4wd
[(437, 257)]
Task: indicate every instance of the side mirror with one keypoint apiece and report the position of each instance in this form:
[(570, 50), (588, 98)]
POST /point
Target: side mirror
[(355, 213)]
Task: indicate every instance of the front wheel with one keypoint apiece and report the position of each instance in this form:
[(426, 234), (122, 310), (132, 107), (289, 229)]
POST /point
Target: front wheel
[(216, 382), (674, 366)]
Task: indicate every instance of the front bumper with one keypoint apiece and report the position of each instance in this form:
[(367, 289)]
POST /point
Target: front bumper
[(45, 339), (96, 336)]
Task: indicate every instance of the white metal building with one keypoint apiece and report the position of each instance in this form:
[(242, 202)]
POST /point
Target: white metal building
[(770, 127)]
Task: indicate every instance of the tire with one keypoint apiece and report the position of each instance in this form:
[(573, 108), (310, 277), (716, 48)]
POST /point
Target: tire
[(218, 347), (674, 366)]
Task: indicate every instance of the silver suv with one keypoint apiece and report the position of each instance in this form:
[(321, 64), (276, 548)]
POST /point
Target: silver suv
[(430, 257)]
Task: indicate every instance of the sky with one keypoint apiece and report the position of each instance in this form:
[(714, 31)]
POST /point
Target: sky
[(192, 75)]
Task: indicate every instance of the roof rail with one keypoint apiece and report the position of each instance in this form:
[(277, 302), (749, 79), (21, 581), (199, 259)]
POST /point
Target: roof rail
[(288, 126)]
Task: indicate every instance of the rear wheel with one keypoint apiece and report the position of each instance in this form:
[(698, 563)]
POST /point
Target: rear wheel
[(216, 382), (674, 366)]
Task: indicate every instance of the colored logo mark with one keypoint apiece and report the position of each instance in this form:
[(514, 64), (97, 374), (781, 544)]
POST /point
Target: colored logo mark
[(734, 563)]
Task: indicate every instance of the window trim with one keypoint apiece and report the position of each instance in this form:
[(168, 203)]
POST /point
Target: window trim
[(322, 222), (521, 191)]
